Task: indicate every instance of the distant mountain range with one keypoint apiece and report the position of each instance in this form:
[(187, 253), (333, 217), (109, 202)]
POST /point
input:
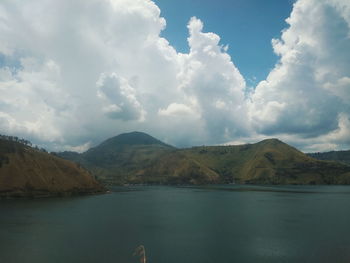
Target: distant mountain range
[(138, 158), (29, 172), (338, 156)]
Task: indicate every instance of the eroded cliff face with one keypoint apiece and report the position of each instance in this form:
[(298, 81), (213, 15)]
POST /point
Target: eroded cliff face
[(27, 172)]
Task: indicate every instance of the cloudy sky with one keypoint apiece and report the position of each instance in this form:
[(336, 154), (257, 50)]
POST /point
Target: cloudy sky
[(73, 73)]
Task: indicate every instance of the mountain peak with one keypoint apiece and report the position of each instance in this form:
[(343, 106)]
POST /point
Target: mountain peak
[(271, 141), (123, 148), (133, 138), (137, 157)]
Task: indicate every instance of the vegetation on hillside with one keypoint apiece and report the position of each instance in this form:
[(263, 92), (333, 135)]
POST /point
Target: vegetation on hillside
[(118, 159), (269, 162), (141, 159), (338, 156), (29, 172)]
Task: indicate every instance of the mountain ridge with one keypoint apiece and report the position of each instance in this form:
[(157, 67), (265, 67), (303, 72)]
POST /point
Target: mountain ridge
[(339, 156), (270, 161), (133, 138)]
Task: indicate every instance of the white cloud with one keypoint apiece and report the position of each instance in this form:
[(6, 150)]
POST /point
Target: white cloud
[(85, 70), (120, 97), (209, 75), (337, 139), (63, 48), (176, 109), (340, 88), (31, 100), (306, 91), (79, 148)]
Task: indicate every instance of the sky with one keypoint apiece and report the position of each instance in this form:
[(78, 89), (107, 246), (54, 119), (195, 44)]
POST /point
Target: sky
[(247, 27), (74, 73)]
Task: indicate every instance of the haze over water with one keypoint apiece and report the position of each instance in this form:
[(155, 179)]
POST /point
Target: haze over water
[(190, 224)]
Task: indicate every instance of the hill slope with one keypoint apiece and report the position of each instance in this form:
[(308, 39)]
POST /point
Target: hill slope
[(338, 156), (175, 168), (139, 158), (25, 171), (121, 150), (269, 162), (120, 157)]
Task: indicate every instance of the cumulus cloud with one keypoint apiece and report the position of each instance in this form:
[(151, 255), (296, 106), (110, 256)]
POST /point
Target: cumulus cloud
[(340, 88), (73, 73), (176, 109), (306, 93), (209, 76), (120, 97), (30, 100), (63, 54)]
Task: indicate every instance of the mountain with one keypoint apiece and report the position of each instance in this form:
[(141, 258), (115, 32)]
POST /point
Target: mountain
[(338, 156), (121, 150), (120, 157), (29, 172), (139, 158), (269, 162), (175, 168)]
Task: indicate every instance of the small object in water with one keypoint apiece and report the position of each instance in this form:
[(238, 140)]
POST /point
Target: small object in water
[(140, 252)]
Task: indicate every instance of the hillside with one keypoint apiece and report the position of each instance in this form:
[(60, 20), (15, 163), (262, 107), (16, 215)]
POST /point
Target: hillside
[(338, 156), (120, 157), (175, 168), (269, 162), (121, 150), (29, 172), (139, 158)]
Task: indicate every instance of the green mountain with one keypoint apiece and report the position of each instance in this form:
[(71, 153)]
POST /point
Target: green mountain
[(118, 159), (338, 156), (269, 162), (175, 167), (29, 172), (121, 150), (139, 158)]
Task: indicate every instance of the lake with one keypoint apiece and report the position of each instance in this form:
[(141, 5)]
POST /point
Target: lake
[(215, 224)]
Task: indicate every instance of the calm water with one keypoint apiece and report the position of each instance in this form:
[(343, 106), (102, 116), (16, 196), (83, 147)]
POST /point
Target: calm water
[(205, 224)]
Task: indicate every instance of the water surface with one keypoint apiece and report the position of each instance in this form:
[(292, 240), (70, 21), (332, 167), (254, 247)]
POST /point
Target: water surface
[(183, 225)]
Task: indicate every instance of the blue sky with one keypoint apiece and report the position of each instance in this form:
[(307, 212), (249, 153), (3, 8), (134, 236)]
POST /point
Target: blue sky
[(73, 73), (246, 26)]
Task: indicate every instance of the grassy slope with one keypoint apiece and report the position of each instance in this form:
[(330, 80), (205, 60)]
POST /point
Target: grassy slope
[(121, 157), (338, 156), (117, 166), (175, 168), (139, 158), (269, 162), (25, 171)]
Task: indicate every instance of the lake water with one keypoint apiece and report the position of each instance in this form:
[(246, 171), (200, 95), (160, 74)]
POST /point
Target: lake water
[(215, 224)]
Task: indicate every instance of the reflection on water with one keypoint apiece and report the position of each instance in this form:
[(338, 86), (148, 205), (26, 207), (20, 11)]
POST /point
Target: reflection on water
[(231, 223), (278, 189)]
